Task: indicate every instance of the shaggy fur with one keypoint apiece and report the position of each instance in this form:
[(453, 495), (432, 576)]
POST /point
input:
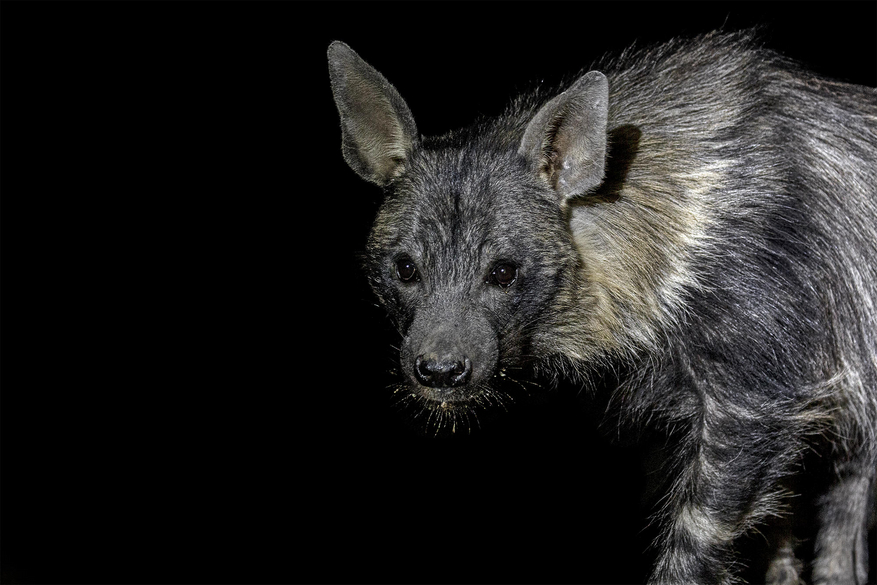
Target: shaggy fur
[(700, 217)]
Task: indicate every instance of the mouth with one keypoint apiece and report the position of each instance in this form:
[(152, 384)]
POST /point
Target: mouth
[(494, 392), (445, 398), (440, 412), (443, 410)]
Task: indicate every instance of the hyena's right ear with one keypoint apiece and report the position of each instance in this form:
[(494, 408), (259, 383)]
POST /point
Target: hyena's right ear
[(565, 141), (377, 128)]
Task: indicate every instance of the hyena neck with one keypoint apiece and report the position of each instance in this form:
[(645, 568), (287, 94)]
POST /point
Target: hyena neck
[(637, 242), (646, 237)]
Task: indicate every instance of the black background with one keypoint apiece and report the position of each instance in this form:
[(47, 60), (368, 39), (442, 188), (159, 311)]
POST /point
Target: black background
[(194, 372)]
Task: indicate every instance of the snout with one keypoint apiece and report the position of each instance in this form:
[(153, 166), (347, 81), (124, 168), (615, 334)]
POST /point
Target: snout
[(449, 359)]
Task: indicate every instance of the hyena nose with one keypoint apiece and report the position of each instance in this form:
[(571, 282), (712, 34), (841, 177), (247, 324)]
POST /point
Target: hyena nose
[(442, 372)]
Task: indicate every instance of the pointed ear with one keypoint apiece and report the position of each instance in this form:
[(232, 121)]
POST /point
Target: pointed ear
[(565, 141), (377, 129)]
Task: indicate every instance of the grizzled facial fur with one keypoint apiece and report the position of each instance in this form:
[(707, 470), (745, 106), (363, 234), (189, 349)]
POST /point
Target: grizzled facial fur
[(460, 257), (471, 246)]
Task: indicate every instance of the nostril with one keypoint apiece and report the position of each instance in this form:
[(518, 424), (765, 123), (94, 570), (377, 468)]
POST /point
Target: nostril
[(462, 372), (422, 369), (442, 373)]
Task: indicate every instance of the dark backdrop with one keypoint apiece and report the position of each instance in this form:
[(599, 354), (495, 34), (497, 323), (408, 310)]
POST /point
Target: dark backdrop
[(194, 371)]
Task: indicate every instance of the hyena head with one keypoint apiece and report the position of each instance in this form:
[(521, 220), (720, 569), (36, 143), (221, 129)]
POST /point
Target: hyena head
[(471, 251)]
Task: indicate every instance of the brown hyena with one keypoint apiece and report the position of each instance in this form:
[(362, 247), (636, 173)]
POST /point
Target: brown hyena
[(701, 216)]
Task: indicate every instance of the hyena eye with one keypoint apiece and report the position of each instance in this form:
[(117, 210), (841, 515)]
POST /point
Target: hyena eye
[(406, 269), (503, 274)]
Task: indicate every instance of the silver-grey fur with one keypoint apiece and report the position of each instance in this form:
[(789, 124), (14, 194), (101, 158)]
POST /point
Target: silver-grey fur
[(701, 217)]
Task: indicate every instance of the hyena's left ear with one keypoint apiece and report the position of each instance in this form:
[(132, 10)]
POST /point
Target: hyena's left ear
[(566, 140), (377, 128)]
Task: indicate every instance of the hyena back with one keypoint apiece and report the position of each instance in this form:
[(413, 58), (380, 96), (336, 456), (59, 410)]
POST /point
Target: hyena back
[(701, 215)]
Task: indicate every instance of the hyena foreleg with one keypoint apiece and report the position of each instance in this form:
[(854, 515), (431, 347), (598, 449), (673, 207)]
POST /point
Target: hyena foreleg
[(729, 470), (841, 544)]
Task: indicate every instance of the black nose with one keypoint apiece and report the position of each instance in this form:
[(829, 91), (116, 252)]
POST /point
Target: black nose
[(442, 372)]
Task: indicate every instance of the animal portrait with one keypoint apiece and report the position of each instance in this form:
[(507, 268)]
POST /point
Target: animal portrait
[(420, 293)]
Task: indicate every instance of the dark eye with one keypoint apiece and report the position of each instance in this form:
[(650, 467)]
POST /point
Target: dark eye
[(503, 274), (406, 269)]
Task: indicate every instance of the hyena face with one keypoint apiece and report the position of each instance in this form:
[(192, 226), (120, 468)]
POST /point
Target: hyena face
[(471, 250), (460, 257)]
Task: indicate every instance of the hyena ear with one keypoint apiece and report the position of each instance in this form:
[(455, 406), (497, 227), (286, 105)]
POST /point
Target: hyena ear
[(377, 128), (565, 141)]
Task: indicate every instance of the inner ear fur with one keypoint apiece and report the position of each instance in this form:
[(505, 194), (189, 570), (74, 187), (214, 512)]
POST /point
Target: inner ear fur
[(565, 141), (377, 129)]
